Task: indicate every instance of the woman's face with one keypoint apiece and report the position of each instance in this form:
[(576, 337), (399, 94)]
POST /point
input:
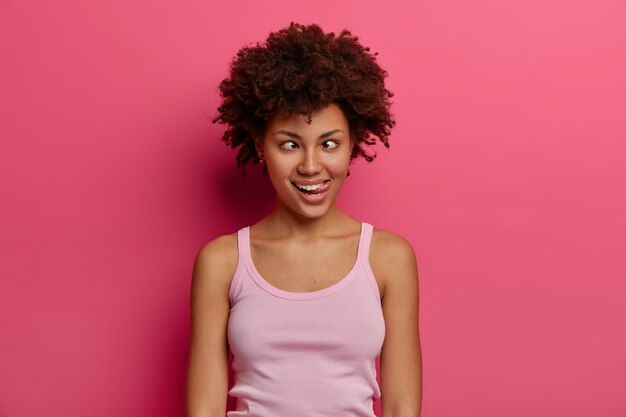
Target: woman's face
[(308, 163)]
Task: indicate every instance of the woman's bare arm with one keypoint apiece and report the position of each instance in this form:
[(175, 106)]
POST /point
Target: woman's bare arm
[(401, 360), (207, 376)]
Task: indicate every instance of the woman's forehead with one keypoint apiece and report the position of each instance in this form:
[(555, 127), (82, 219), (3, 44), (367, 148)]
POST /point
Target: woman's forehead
[(329, 117)]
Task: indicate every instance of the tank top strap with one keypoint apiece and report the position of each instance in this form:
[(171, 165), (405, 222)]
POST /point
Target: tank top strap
[(364, 243), (364, 258), (243, 248), (243, 238)]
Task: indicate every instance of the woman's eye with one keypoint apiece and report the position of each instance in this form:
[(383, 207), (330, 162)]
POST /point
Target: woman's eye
[(332, 144), (288, 145)]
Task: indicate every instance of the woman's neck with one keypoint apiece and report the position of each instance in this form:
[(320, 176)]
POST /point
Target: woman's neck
[(285, 222)]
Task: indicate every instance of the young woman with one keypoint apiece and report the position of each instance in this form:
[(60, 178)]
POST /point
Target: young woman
[(308, 297)]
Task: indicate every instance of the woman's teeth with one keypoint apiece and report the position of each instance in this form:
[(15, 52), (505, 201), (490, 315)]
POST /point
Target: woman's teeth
[(312, 189), (309, 187)]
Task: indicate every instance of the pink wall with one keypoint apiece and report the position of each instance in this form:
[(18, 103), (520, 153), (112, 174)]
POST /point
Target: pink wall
[(506, 172)]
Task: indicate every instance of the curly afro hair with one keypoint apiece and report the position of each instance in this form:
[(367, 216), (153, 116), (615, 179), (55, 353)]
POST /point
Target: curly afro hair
[(298, 70)]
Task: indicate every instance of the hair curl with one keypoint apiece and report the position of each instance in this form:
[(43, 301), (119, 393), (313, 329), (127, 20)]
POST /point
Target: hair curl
[(299, 70)]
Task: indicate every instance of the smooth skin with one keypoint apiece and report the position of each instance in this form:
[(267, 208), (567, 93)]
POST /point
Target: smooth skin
[(295, 150)]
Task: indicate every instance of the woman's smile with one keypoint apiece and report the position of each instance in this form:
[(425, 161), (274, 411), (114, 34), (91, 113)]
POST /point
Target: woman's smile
[(313, 193)]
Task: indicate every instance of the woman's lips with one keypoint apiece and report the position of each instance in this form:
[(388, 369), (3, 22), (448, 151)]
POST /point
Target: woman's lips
[(314, 196)]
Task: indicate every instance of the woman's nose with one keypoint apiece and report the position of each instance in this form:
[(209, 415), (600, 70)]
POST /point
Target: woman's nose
[(310, 164)]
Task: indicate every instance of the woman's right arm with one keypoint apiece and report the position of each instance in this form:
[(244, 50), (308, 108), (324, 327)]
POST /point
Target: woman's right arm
[(207, 375)]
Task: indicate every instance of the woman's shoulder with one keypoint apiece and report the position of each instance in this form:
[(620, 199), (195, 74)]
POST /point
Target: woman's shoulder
[(221, 245), (391, 257), (387, 243), (216, 261)]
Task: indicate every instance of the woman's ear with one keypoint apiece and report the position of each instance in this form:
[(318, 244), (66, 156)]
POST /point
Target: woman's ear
[(258, 145)]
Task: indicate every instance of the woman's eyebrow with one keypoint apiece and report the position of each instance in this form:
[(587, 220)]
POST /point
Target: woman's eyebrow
[(295, 135)]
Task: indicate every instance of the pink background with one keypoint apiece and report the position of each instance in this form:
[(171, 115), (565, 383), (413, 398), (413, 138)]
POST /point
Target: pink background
[(506, 172)]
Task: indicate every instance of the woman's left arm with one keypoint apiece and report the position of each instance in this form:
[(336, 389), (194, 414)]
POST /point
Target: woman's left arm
[(401, 359)]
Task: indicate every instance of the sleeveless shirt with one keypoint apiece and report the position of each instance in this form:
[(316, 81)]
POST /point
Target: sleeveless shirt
[(305, 354)]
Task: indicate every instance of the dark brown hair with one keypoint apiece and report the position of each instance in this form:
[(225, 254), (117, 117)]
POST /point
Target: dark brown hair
[(298, 70)]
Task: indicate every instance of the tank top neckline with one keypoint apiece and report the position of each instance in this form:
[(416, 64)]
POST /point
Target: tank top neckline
[(364, 239)]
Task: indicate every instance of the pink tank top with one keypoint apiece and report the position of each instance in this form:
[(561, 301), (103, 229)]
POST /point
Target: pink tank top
[(305, 354)]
